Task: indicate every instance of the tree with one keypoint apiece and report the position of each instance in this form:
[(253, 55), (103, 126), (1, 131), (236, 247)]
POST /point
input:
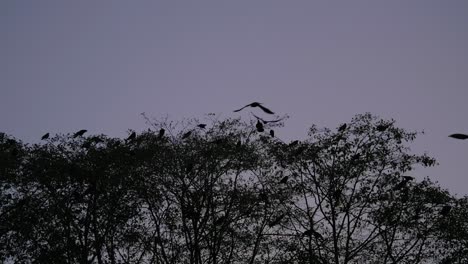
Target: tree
[(226, 192)]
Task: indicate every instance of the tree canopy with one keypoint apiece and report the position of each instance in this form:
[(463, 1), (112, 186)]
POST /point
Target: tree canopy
[(227, 192)]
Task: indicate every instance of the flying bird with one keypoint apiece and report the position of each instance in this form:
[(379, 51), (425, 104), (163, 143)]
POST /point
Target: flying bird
[(256, 104), (445, 210), (161, 132), (284, 180), (46, 136), (132, 136), (202, 126), (342, 128), (459, 136), (259, 126), (267, 121), (186, 135), (80, 133), (272, 133)]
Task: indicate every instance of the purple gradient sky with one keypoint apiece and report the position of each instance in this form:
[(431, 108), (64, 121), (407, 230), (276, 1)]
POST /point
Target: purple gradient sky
[(67, 65)]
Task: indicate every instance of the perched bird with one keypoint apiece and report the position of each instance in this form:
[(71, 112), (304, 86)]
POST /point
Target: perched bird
[(132, 136), (80, 133), (259, 126), (46, 136), (161, 132), (382, 128), (294, 143), (407, 178), (311, 232), (276, 221), (445, 210), (284, 180), (342, 127), (202, 126), (401, 185), (272, 133), (220, 220), (186, 135), (256, 104), (459, 136)]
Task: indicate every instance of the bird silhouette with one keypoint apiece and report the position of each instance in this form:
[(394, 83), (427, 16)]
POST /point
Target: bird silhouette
[(256, 104), (259, 126), (186, 135), (267, 121), (272, 133), (276, 221), (407, 178), (202, 126), (294, 143), (132, 136), (445, 210), (80, 133), (459, 136), (161, 132), (342, 128), (311, 232), (401, 185), (46, 136), (382, 128), (220, 220), (284, 180)]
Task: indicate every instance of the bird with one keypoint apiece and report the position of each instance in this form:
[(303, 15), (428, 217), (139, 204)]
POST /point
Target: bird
[(459, 136), (312, 232), (259, 126), (220, 220), (186, 135), (284, 180), (161, 132), (202, 126), (272, 133), (46, 136), (445, 210), (276, 221), (382, 128), (256, 104), (294, 143), (267, 121), (132, 136), (408, 178), (80, 133), (342, 128), (400, 185)]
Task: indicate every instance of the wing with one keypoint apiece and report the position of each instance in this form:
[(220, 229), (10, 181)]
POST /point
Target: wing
[(459, 136), (241, 108), (266, 110)]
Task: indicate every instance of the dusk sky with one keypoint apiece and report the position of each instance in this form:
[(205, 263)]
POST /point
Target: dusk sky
[(96, 65)]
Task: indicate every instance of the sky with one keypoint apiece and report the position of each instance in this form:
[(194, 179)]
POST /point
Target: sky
[(69, 65)]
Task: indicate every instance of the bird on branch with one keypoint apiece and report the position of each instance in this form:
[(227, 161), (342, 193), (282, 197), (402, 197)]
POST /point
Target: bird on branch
[(46, 136), (80, 133)]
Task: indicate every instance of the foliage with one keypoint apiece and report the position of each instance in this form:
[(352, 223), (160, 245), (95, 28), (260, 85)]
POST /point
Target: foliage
[(226, 193)]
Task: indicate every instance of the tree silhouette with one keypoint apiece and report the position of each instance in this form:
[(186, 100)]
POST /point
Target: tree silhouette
[(226, 194)]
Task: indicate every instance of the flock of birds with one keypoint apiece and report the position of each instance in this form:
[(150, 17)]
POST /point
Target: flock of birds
[(260, 128)]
